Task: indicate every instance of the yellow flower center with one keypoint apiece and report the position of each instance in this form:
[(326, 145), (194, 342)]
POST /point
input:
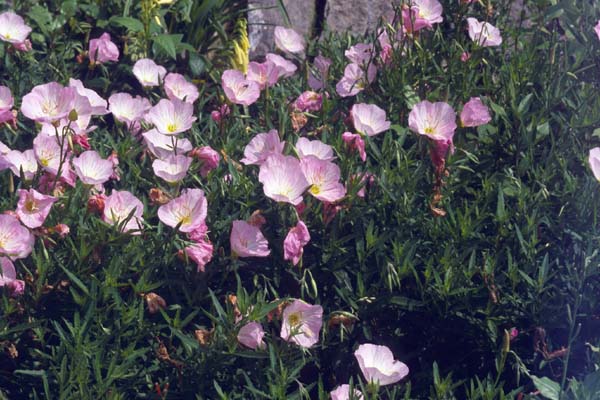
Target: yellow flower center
[(171, 128), (30, 205), (186, 219), (429, 130), (44, 162), (294, 319), (314, 189), (7, 36)]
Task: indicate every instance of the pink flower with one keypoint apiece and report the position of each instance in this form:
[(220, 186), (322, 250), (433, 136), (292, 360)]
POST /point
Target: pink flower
[(475, 113), (283, 179), (309, 101), (15, 240), (324, 179), (316, 148), (13, 28), (251, 335), (411, 21), (163, 146), (238, 89), (23, 46), (342, 392), (92, 169), (318, 75), (355, 142), (597, 29), (4, 150), (103, 49), (378, 365), (33, 207), (385, 45), (99, 106), (48, 103), (360, 53), (434, 120), (484, 33), (47, 152), (285, 68), (22, 162), (288, 40), (117, 208), (265, 74), (355, 80), (172, 168), (177, 87), (594, 160), (171, 117), (6, 99), (302, 323), (201, 253), (429, 11), (296, 239), (208, 157), (465, 56), (128, 109), (261, 147), (369, 119), (188, 211), (148, 73), (8, 278), (247, 240)]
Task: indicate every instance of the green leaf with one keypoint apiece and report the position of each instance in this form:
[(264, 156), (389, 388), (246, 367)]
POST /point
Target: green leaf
[(168, 43), (132, 24), (547, 387)]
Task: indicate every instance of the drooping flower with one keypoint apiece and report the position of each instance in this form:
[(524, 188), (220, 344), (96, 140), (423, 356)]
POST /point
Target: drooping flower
[(163, 146), (251, 335), (319, 74), (92, 169), (265, 74), (283, 179), (117, 208), (302, 323), (288, 40), (355, 142), (293, 245), (324, 179), (33, 207), (103, 50), (22, 162), (355, 80), (15, 240), (188, 211), (48, 102), (484, 33), (208, 158), (171, 117), (238, 89), (309, 101), (8, 278), (434, 120), (261, 147), (285, 68), (369, 119), (342, 392), (316, 148), (13, 28), (594, 160), (177, 87), (201, 253), (148, 73), (378, 365), (475, 113), (172, 168), (247, 240), (128, 109)]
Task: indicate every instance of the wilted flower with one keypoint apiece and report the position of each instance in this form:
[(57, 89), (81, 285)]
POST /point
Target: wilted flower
[(148, 73), (171, 117), (208, 158), (251, 335), (48, 102), (594, 160), (293, 245), (238, 89), (33, 207), (285, 68), (434, 120), (15, 240), (288, 40), (378, 365), (118, 207), (309, 101), (95, 203), (316, 148), (154, 302), (128, 109), (163, 146), (177, 87), (283, 179), (484, 33), (8, 277), (355, 142), (188, 211), (92, 169), (158, 197), (200, 252), (13, 28), (172, 168), (261, 147), (342, 392), (265, 74), (475, 113), (247, 240), (302, 323), (103, 49), (369, 119), (323, 178)]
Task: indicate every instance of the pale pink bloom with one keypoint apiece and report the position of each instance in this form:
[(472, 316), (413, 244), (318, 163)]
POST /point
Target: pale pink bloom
[(98, 104), (162, 146), (148, 73), (293, 245), (128, 109), (261, 147), (411, 22), (316, 148), (23, 46), (465, 56), (4, 150), (114, 159), (430, 11), (82, 110), (103, 49), (597, 29), (283, 179), (378, 365), (360, 53), (247, 240), (475, 113), (594, 160), (434, 120), (6, 99), (117, 208), (342, 392), (171, 117), (302, 323), (285, 68), (385, 45), (173, 168), (355, 142), (201, 253), (15, 240), (324, 179), (319, 73), (265, 74), (22, 161), (177, 87), (47, 152), (251, 335), (309, 101), (33, 207), (208, 158), (48, 103), (484, 33), (288, 40), (355, 80), (92, 169), (238, 89), (13, 28), (188, 211), (8, 277), (8, 116), (369, 119)]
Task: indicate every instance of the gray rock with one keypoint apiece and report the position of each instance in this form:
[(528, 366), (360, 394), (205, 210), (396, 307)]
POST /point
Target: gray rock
[(355, 16)]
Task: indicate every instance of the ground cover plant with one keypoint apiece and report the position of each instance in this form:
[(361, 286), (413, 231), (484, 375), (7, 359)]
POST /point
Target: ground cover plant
[(404, 215)]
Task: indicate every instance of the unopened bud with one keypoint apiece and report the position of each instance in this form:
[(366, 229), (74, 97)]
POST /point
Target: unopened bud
[(73, 115)]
